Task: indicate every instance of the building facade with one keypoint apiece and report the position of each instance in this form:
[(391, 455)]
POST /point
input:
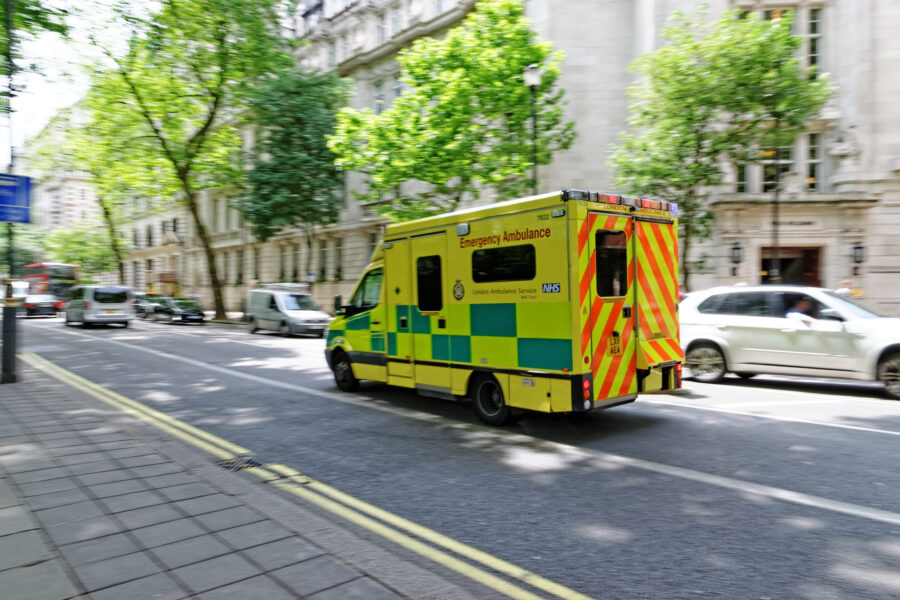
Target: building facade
[(839, 197)]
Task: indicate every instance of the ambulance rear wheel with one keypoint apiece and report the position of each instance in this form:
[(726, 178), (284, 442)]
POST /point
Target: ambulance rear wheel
[(343, 373), (487, 398)]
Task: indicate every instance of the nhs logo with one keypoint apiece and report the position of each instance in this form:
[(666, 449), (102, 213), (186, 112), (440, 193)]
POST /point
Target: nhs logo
[(551, 288)]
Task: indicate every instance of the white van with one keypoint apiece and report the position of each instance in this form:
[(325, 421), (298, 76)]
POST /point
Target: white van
[(289, 311), (90, 304)]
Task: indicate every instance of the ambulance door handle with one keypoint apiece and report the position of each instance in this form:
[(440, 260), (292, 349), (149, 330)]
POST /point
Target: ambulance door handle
[(626, 312), (442, 323), (376, 322), (403, 322)]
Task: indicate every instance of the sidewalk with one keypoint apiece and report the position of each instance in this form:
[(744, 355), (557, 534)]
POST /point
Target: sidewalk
[(95, 504)]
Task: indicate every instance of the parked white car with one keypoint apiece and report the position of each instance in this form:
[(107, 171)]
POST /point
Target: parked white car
[(787, 330), (94, 304)]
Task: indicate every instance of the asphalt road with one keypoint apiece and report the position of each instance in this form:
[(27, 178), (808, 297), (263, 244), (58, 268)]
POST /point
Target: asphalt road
[(768, 488)]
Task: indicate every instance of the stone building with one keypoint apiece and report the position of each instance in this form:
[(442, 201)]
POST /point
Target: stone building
[(840, 192), (840, 180)]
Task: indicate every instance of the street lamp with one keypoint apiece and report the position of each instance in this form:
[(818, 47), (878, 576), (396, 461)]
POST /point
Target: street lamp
[(532, 81), (737, 257), (859, 256)]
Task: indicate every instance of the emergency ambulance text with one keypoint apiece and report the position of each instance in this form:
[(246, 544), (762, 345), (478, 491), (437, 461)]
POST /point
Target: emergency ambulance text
[(508, 236)]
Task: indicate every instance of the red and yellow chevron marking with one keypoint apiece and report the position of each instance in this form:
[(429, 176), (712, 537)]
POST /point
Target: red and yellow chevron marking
[(657, 293), (613, 375)]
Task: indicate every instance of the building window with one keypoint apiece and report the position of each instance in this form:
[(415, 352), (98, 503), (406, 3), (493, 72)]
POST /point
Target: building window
[(381, 28), (342, 48), (776, 163), (282, 259), (814, 163), (373, 243), (149, 236), (323, 259), (332, 55), (338, 259), (742, 178), (439, 6), (396, 87), (396, 19), (378, 96), (814, 41)]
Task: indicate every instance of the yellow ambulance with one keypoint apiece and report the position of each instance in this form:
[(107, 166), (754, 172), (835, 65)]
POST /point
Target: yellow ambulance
[(563, 302)]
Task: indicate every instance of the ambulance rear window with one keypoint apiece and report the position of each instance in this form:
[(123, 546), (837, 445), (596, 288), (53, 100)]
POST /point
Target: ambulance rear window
[(612, 263), (510, 263)]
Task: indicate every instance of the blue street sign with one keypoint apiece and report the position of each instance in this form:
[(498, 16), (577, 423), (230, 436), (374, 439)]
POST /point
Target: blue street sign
[(15, 199)]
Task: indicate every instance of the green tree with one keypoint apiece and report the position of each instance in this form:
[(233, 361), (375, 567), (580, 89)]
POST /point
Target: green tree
[(78, 245), (463, 123), (294, 179), (70, 142), (177, 95), (717, 91)]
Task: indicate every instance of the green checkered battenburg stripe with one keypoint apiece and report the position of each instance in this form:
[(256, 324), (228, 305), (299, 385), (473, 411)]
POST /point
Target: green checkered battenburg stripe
[(506, 335)]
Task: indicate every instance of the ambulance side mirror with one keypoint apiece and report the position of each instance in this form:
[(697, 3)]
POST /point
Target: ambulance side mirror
[(338, 305)]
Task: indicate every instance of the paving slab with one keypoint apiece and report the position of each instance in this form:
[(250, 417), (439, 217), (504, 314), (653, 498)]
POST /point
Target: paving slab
[(94, 507)]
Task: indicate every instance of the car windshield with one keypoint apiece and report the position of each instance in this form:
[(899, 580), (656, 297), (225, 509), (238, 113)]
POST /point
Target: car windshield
[(41, 298), (156, 299), (299, 302), (851, 307), (187, 305)]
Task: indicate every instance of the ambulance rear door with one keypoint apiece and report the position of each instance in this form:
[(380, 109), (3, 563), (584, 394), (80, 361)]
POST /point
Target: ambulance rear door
[(611, 293)]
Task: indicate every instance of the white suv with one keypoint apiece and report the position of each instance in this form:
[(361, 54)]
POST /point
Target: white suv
[(93, 304), (787, 330)]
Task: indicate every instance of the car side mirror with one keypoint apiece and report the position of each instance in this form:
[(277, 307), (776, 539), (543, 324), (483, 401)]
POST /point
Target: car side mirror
[(831, 314)]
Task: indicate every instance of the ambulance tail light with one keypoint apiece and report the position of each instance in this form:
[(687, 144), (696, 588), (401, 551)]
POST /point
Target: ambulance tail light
[(678, 368)]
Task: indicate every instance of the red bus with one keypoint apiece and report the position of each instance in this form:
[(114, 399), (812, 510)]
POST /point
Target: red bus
[(51, 278)]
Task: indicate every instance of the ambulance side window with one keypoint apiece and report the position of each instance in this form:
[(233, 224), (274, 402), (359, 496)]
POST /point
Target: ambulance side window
[(428, 273), (612, 263), (369, 291), (509, 263)]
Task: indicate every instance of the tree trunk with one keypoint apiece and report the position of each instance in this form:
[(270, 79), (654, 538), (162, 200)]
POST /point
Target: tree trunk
[(307, 233), (191, 201), (113, 237)]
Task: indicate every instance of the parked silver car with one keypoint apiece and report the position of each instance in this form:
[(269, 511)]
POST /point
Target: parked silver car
[(787, 330)]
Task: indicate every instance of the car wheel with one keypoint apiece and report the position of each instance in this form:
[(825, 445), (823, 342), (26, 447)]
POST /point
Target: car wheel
[(343, 373), (746, 375), (285, 330), (889, 375), (706, 362), (251, 326), (68, 322), (487, 398)]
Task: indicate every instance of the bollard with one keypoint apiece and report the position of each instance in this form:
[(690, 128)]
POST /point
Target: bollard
[(10, 312)]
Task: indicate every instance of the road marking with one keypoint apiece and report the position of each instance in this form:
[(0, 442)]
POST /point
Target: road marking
[(743, 405), (209, 442), (318, 493), (772, 417), (614, 459)]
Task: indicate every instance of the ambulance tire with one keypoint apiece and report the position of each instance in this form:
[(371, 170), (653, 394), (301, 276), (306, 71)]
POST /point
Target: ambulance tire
[(488, 401), (343, 373), (711, 360)]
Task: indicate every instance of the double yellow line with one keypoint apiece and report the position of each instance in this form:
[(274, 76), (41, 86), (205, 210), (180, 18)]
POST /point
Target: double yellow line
[(426, 542)]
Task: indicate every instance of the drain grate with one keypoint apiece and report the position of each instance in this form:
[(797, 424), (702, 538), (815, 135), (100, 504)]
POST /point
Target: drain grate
[(238, 463)]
